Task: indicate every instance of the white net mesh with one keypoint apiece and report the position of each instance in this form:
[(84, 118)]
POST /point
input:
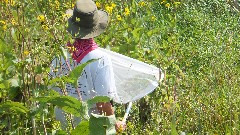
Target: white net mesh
[(133, 79)]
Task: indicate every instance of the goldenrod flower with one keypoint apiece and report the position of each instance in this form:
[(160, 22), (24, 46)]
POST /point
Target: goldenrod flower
[(119, 18), (98, 4), (41, 18), (109, 9), (127, 11), (167, 5), (142, 4)]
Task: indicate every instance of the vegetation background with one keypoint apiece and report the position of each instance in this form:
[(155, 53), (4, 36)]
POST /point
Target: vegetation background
[(195, 42)]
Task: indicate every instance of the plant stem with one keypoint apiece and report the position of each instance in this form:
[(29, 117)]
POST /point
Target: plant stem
[(34, 125)]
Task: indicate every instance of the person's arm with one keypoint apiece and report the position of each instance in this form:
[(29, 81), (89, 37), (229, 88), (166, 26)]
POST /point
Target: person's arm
[(105, 108)]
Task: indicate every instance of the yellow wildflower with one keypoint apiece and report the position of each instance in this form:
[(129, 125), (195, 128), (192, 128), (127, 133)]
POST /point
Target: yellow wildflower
[(13, 22), (12, 2), (153, 18), (57, 4), (164, 1), (25, 53), (167, 5), (41, 18), (177, 3), (4, 27), (142, 4), (66, 16), (109, 9), (119, 18), (127, 11), (45, 27), (3, 22), (113, 5), (98, 4)]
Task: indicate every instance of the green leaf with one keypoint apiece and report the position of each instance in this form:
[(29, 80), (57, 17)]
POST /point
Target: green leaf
[(2, 86), (102, 125), (67, 103), (13, 82), (153, 31), (38, 69), (13, 106), (97, 99), (173, 129), (61, 132), (77, 71), (64, 52), (81, 129)]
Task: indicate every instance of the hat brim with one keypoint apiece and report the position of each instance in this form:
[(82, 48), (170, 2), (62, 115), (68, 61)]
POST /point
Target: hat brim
[(86, 33)]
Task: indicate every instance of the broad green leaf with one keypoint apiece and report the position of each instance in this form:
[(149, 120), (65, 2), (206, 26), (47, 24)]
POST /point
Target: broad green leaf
[(15, 107), (61, 132), (67, 103), (97, 99), (14, 82), (2, 86), (81, 129), (102, 125), (153, 31), (38, 69), (77, 71)]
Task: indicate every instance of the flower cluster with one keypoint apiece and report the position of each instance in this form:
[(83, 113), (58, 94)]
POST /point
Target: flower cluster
[(42, 20), (109, 8), (170, 4), (10, 2)]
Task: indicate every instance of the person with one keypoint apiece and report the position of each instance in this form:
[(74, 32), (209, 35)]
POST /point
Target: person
[(97, 78)]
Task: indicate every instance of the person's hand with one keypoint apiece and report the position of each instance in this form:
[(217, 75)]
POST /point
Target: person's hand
[(120, 126)]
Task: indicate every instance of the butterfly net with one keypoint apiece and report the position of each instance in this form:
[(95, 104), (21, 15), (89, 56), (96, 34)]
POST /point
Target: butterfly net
[(133, 79)]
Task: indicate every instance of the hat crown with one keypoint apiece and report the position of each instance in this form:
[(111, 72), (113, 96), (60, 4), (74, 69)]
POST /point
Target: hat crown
[(85, 14), (86, 6)]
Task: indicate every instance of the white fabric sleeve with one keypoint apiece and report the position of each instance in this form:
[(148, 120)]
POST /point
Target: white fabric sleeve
[(104, 82)]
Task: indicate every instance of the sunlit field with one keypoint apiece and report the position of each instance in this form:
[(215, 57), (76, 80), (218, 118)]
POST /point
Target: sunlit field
[(196, 43)]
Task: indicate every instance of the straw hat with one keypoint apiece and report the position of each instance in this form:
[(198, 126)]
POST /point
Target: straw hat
[(86, 20)]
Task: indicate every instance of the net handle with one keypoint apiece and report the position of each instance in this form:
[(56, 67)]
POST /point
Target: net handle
[(127, 112)]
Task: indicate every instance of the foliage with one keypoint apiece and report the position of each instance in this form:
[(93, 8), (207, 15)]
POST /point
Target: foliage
[(195, 42)]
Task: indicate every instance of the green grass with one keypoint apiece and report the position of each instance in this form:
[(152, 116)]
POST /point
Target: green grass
[(196, 43)]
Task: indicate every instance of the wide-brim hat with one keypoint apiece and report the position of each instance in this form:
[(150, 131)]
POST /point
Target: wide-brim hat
[(86, 20)]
